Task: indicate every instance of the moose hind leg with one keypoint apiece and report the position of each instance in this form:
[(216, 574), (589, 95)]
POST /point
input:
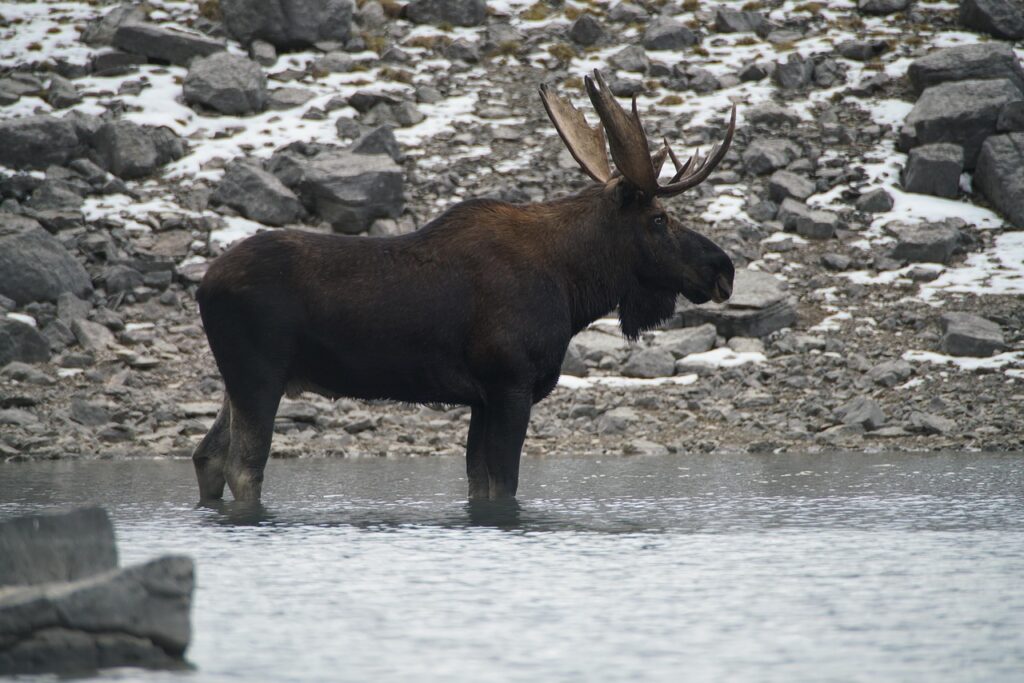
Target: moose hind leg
[(211, 454), (252, 428), (506, 423)]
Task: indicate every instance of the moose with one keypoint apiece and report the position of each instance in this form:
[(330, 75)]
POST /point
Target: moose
[(475, 308)]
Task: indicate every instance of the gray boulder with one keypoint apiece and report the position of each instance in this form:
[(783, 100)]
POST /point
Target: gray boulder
[(380, 140), (890, 373), (882, 6), (667, 34), (934, 169), (586, 30), (21, 342), (790, 211), (961, 112), (765, 155), (165, 44), (965, 334), (126, 149), (1000, 175), (817, 224), (925, 242), (347, 190), (772, 115), (37, 142), (573, 363), (631, 58), (454, 12), (34, 265), (62, 93), (1000, 18), (966, 62), (649, 363), (288, 24), (759, 306), (794, 73), (68, 609), (784, 184), (257, 194), (861, 411), (595, 345), (684, 341), (228, 83), (861, 50)]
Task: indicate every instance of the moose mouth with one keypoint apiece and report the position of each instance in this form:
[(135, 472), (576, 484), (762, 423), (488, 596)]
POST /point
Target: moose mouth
[(721, 290)]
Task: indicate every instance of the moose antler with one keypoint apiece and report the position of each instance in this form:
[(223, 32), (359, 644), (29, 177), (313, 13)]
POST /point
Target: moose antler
[(628, 143)]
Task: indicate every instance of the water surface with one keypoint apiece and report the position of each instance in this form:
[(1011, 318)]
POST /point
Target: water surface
[(843, 567)]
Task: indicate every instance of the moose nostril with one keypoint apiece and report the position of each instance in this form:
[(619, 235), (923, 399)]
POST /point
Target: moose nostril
[(723, 288)]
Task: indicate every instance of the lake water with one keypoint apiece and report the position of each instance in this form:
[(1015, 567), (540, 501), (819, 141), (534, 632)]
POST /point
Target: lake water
[(844, 567)]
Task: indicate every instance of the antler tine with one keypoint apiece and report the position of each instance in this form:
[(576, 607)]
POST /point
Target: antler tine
[(586, 143), (700, 169), (626, 137), (658, 160)]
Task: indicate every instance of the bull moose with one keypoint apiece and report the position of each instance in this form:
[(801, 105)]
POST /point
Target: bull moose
[(475, 308)]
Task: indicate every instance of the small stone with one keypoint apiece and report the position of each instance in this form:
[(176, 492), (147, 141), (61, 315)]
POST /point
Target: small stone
[(882, 6), (649, 363), (631, 58), (92, 336), (682, 342), (877, 200), (925, 243), (836, 262), (573, 363), (616, 420), (765, 155), (21, 342), (288, 98), (586, 30), (784, 184), (927, 423), (890, 373), (817, 224), (666, 34), (380, 140), (227, 83), (453, 12), (1000, 175), (264, 53), (644, 447), (257, 194), (165, 44), (794, 73)]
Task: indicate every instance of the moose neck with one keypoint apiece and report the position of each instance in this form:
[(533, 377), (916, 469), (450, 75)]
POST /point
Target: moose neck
[(597, 259)]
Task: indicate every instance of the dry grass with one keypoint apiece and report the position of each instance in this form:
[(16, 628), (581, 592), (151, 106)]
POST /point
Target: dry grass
[(810, 7), (390, 73), (429, 42), (670, 100), (753, 6), (210, 9), (691, 5), (747, 40), (700, 51), (573, 82), (537, 11), (563, 52)]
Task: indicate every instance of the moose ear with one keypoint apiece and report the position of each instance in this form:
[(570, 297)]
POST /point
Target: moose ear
[(622, 193)]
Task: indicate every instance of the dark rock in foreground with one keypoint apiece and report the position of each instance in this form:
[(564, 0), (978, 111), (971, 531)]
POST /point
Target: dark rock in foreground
[(171, 45), (257, 195), (68, 609), (925, 242), (966, 334), (20, 342), (1000, 18), (288, 24), (1000, 175), (34, 265), (129, 150), (228, 83)]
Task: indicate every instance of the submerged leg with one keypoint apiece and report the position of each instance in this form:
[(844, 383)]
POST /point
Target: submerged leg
[(506, 423), (211, 454), (476, 465), (252, 428)]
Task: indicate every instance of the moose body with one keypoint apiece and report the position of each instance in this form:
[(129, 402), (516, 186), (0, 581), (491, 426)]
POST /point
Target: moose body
[(476, 308)]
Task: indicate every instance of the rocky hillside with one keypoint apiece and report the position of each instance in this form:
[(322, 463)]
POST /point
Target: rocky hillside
[(870, 200)]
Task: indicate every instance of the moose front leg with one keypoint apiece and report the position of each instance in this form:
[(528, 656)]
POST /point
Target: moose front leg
[(505, 423), (476, 465), (211, 453)]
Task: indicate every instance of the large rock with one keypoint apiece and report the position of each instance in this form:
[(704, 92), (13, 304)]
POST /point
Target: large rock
[(1000, 18), (925, 242), (784, 184), (347, 190), (99, 32), (129, 150), (934, 169), (288, 24), (666, 34), (228, 83), (37, 142), (735, 21), (966, 334), (861, 411), (586, 30), (759, 306), (1000, 175), (80, 613), (21, 342), (961, 112), (682, 342), (595, 345), (257, 195), (56, 546), (966, 62), (454, 12), (34, 266), (817, 224), (649, 363), (165, 44)]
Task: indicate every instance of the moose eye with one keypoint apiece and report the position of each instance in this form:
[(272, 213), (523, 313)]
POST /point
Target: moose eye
[(659, 221)]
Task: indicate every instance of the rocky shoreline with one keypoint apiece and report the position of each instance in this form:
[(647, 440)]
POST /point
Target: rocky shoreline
[(870, 200)]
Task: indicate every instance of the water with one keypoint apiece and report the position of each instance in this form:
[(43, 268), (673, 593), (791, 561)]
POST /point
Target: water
[(704, 568)]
